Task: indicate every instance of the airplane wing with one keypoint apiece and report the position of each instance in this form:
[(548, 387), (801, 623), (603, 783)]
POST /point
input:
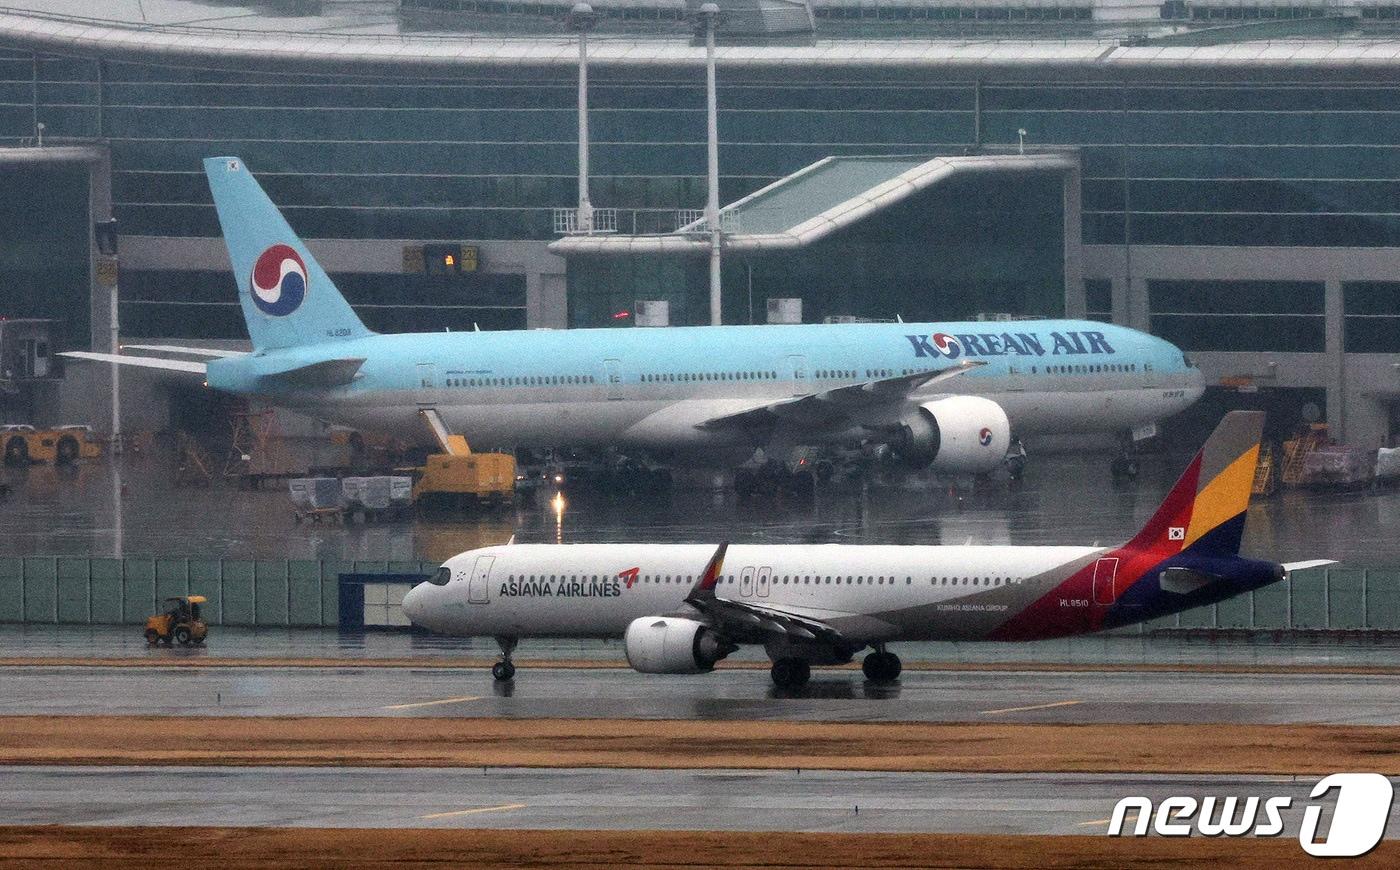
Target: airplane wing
[(188, 351), (1290, 567), (833, 406), (746, 618), (145, 362)]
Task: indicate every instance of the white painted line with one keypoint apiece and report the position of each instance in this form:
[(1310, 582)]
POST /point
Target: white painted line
[(462, 700), (1031, 707), (500, 808)]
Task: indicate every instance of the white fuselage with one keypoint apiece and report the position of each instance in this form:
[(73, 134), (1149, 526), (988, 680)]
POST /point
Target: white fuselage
[(869, 593)]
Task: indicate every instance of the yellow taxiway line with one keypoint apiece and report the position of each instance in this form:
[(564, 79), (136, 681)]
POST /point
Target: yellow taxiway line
[(461, 700), (1031, 707), (501, 808)]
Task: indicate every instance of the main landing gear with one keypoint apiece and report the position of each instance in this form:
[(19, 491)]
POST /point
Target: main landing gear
[(504, 670), (791, 673), (881, 666)]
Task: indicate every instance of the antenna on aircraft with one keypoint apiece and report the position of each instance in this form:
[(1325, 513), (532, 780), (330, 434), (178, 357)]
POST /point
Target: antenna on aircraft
[(475, 327), (511, 541)]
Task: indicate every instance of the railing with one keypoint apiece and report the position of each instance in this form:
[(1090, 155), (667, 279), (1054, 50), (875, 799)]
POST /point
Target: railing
[(567, 223)]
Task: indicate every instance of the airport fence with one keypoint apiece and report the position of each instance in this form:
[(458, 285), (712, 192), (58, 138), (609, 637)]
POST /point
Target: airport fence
[(263, 592), (290, 592)]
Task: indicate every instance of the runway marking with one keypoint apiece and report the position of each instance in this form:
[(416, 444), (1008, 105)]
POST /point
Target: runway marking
[(461, 700), (1031, 707), (1127, 820), (500, 808)]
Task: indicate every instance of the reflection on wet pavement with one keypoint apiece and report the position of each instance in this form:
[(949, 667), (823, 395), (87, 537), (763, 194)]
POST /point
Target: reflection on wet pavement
[(1064, 499), (117, 641)]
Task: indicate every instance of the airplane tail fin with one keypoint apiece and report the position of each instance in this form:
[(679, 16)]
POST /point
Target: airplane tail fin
[(1204, 513), (288, 300)]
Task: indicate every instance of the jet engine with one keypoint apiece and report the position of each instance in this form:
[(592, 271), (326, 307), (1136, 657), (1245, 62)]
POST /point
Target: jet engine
[(671, 645), (956, 435)]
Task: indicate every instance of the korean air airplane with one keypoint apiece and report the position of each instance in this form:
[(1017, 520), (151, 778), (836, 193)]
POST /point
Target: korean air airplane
[(946, 395), (681, 608)]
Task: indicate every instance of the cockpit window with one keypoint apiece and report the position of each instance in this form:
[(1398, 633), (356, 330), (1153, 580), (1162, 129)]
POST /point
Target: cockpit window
[(1186, 360), (443, 575)]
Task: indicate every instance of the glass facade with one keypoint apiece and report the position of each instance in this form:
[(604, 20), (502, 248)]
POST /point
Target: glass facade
[(484, 155), (1372, 316), (1278, 160), (1239, 315), (44, 247)]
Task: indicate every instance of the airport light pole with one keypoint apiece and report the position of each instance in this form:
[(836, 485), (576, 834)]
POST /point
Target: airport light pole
[(581, 20), (709, 15)]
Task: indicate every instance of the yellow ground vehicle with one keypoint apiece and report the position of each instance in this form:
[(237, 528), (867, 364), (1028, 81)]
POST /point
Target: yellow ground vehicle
[(62, 445), (180, 623), (458, 476)]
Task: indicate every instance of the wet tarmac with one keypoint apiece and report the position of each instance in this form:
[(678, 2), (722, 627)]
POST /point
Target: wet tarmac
[(1068, 499), (568, 798), (833, 696), (232, 642)]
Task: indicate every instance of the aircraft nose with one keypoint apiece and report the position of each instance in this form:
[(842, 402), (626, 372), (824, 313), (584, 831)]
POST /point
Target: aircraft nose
[(413, 604)]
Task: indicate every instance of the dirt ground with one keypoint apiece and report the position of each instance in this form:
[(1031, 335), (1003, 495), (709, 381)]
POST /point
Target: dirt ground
[(444, 742), (232, 848), (197, 659)]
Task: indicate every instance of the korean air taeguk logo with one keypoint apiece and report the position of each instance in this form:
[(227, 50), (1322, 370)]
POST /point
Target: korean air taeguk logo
[(946, 345), (279, 281)]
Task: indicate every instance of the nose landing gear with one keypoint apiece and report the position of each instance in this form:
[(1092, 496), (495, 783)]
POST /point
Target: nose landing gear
[(504, 670)]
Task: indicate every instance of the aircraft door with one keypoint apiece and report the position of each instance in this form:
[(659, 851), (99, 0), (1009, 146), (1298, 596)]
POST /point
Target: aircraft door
[(797, 368), (427, 383), (479, 586), (746, 582), (1105, 573), (764, 575), (612, 376)]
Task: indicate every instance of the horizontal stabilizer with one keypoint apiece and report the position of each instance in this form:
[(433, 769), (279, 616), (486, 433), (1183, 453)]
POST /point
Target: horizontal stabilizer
[(188, 351), (327, 373), (145, 362)]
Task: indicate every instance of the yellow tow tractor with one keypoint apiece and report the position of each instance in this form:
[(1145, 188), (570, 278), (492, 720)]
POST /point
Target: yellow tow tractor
[(180, 623)]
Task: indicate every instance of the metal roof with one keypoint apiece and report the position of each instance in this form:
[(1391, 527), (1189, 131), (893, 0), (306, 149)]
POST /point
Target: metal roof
[(816, 201), (68, 34)]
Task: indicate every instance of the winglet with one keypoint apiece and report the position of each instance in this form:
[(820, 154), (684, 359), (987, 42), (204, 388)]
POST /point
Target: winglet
[(704, 588)]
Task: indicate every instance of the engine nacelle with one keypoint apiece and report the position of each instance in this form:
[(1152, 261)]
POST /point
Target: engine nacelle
[(956, 435), (671, 645)]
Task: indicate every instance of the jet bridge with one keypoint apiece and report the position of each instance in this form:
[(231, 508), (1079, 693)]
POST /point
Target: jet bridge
[(839, 193)]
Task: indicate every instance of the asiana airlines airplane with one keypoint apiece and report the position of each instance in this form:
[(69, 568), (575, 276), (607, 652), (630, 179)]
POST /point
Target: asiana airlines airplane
[(681, 609), (949, 396)]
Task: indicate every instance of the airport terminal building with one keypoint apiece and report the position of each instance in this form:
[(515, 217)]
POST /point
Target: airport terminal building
[(1223, 173)]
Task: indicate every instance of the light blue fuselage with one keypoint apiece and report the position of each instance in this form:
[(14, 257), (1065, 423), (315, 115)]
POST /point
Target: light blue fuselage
[(653, 388)]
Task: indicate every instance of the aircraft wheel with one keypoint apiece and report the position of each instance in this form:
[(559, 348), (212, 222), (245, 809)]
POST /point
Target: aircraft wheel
[(1016, 467), (67, 450), (503, 671), (16, 452), (791, 673), (881, 667)]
